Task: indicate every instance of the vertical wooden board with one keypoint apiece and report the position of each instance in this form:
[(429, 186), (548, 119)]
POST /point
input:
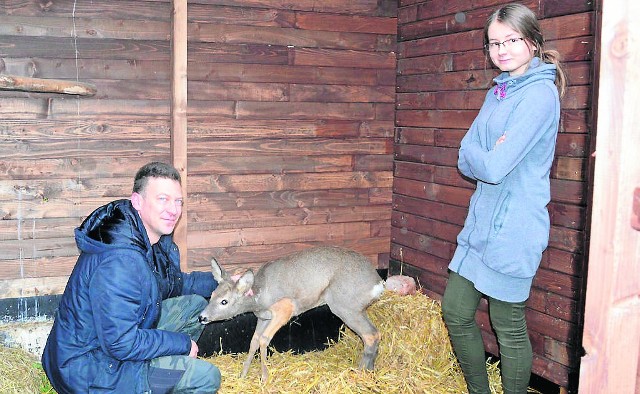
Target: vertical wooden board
[(179, 114), (612, 312)]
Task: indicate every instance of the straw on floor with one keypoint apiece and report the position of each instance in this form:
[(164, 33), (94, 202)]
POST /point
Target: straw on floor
[(415, 357)]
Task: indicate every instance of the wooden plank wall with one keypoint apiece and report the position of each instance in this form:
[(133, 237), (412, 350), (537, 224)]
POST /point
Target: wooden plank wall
[(291, 119), (442, 80), (290, 126)]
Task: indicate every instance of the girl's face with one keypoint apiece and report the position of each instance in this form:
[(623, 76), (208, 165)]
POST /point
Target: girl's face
[(508, 51)]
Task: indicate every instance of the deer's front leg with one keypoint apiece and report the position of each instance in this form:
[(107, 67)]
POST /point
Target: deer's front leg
[(281, 313), (255, 343)]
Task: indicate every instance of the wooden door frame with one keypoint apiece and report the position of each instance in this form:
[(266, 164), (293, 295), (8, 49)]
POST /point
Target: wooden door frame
[(611, 337)]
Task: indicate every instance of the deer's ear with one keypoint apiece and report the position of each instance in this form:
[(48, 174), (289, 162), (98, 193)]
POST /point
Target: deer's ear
[(245, 282), (219, 274)]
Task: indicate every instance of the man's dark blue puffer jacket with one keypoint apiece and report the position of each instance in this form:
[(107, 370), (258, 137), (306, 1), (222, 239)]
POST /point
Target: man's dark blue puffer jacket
[(104, 331)]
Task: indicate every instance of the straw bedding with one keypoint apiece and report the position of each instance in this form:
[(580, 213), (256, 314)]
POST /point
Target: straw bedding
[(415, 357)]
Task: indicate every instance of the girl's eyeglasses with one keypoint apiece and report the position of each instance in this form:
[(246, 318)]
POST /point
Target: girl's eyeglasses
[(495, 46)]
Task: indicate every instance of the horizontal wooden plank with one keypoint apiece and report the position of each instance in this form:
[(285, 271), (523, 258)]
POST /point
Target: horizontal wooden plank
[(269, 164), (341, 93), (422, 242), (96, 147), (552, 371), (553, 8), (123, 9), (405, 221), (364, 7), (416, 171), (121, 129), (456, 80), (332, 57), (554, 305), (20, 254), (456, 119), (427, 154), (558, 283), (574, 121), (293, 37), (53, 26), (92, 69), (243, 16), (35, 169), (563, 261), (294, 146), (278, 182), (432, 191), (569, 168), (278, 235), (208, 52), (455, 42), (572, 145), (51, 209), (25, 195), (217, 202), (441, 99), (420, 259), (351, 23), (34, 229), (567, 215), (32, 287), (373, 163), (566, 239), (305, 110), (571, 192), (207, 219), (430, 209), (339, 73)]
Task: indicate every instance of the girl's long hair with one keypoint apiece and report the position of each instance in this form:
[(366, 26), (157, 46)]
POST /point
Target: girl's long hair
[(523, 20)]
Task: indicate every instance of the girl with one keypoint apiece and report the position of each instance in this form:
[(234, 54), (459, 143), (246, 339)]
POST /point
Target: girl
[(508, 152)]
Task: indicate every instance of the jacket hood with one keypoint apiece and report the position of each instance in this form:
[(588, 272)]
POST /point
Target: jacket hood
[(113, 226), (537, 71)]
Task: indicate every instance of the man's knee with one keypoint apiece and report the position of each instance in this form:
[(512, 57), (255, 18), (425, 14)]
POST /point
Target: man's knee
[(208, 378)]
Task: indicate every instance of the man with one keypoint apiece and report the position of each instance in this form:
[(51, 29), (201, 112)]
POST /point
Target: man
[(128, 319)]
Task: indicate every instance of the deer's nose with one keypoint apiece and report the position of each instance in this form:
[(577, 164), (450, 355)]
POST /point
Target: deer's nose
[(203, 320)]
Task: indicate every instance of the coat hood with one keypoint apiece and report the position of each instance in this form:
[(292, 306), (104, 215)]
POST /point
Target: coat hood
[(116, 225), (538, 70)]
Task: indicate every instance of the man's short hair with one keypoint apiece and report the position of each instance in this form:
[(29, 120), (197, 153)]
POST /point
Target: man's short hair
[(154, 169)]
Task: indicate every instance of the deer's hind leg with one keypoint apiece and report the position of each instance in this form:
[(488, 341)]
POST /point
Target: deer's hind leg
[(359, 322)]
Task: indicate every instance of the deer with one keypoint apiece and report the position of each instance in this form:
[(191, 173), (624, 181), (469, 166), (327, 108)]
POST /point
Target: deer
[(340, 278)]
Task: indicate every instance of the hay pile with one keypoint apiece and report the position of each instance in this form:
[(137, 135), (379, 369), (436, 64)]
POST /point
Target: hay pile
[(415, 357), (20, 373)]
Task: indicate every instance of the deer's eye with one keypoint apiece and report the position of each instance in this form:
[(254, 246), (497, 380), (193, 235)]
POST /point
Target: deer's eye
[(224, 302)]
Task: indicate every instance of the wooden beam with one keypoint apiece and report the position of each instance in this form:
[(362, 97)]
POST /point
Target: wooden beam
[(27, 84), (179, 113), (611, 337)]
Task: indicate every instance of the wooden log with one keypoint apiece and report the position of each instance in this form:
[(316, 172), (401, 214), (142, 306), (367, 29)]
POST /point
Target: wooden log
[(28, 84)]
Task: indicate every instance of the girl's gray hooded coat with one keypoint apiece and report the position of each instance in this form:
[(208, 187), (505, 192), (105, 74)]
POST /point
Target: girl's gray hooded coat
[(507, 227)]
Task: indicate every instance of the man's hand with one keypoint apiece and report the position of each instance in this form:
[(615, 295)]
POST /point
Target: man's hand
[(194, 349)]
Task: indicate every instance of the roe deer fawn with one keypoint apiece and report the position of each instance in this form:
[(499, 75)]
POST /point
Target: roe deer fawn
[(340, 278)]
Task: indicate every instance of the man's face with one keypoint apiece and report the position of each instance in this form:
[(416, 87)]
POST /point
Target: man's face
[(159, 206)]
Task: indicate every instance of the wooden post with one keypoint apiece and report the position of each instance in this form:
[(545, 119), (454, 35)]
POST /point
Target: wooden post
[(179, 113), (612, 311)]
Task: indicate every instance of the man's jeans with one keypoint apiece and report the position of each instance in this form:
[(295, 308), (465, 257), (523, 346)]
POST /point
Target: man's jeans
[(183, 374)]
